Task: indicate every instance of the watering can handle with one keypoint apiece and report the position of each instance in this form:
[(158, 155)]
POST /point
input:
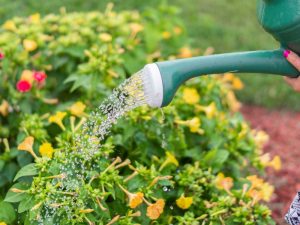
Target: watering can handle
[(176, 72)]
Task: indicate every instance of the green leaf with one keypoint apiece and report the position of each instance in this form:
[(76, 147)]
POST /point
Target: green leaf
[(2, 163), (29, 170), (75, 51), (16, 197), (3, 179), (71, 78), (24, 158), (81, 80), (10, 170), (221, 157), (216, 157), (7, 212), (208, 158), (25, 204)]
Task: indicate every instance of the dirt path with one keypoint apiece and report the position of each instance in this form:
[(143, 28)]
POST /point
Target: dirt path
[(284, 130)]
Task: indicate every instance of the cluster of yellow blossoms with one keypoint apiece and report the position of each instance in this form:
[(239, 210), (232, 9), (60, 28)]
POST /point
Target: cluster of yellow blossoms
[(154, 210), (28, 44), (77, 109), (259, 190), (261, 138), (46, 149), (192, 97), (167, 34)]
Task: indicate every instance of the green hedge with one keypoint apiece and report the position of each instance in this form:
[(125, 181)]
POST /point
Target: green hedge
[(189, 165)]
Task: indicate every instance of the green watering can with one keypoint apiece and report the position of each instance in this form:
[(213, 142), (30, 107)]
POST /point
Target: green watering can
[(281, 18)]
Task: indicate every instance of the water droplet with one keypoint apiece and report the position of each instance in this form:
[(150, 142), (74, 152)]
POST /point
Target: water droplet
[(165, 189)]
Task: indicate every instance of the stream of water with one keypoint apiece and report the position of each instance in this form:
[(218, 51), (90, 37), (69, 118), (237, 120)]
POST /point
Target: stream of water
[(128, 96)]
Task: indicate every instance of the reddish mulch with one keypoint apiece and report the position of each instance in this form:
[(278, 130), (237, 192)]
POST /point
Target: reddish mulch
[(283, 128)]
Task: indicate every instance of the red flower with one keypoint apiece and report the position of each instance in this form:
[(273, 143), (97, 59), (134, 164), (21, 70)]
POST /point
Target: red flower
[(39, 76), (1, 55), (23, 86)]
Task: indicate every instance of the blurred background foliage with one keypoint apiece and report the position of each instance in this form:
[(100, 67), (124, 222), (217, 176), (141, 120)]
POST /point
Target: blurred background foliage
[(226, 25)]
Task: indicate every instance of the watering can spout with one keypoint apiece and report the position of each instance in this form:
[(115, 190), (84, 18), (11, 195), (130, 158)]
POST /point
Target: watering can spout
[(162, 79)]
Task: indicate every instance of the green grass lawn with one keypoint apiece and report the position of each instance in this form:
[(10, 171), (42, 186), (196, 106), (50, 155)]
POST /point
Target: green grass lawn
[(227, 25)]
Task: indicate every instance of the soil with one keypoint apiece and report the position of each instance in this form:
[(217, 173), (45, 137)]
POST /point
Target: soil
[(283, 128)]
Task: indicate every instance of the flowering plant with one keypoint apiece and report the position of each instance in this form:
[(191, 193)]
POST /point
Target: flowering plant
[(185, 166)]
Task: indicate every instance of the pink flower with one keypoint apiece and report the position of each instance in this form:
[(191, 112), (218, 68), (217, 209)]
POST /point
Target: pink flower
[(39, 76), (1, 55), (23, 86)]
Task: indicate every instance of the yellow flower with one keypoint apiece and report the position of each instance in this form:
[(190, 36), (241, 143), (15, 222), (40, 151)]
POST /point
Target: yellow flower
[(77, 109), (259, 189), (244, 130), (166, 35), (35, 18), (237, 84), (209, 110), (46, 150), (4, 108), (185, 53), (184, 202), (191, 96), (27, 75), (223, 182), (29, 45), (267, 191), (256, 195), (260, 138), (233, 103), (58, 118), (194, 125), (255, 181), (9, 25), (169, 160), (105, 37), (136, 27), (27, 145), (3, 223), (177, 30), (156, 209), (135, 200), (265, 159), (275, 163), (228, 77)]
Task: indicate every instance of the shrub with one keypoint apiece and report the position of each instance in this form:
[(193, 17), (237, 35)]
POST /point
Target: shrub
[(185, 165)]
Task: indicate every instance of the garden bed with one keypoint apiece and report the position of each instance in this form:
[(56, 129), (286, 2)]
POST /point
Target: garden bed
[(283, 128), (187, 166)]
